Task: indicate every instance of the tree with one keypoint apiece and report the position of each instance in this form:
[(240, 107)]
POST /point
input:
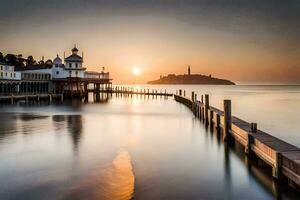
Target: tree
[(1, 57), (10, 59), (41, 62), (30, 61), (49, 63), (20, 61)]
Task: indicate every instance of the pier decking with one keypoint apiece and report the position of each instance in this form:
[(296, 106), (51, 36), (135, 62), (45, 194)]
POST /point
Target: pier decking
[(284, 158), (29, 97)]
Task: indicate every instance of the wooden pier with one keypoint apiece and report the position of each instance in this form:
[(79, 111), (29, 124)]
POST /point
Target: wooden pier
[(131, 91), (31, 97), (283, 158)]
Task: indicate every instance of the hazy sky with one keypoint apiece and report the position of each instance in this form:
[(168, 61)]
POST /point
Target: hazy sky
[(247, 41)]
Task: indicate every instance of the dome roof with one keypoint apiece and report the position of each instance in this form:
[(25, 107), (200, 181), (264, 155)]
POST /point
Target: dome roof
[(57, 60), (75, 49)]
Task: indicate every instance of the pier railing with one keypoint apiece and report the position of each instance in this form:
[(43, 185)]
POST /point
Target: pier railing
[(283, 158), (131, 90)]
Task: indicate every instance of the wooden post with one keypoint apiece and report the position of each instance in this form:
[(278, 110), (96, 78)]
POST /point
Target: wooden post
[(206, 107), (253, 127), (61, 97), (12, 99), (227, 119), (211, 115), (250, 139), (218, 121), (184, 93), (193, 96), (276, 168), (180, 92), (50, 98), (26, 98)]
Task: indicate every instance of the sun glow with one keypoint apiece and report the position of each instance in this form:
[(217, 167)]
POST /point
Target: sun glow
[(136, 71)]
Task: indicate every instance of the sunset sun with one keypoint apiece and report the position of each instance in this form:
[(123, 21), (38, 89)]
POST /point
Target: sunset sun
[(136, 71)]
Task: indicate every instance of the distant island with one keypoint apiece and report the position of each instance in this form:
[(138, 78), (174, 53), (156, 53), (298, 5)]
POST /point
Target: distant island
[(191, 79)]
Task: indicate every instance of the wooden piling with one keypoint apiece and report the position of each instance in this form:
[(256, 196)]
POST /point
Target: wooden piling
[(276, 168), (206, 108), (253, 127), (227, 119), (12, 99), (218, 121), (211, 115), (50, 98), (193, 96)]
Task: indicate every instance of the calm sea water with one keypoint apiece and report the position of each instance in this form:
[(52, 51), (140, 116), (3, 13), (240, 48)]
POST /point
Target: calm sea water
[(274, 108), (141, 148)]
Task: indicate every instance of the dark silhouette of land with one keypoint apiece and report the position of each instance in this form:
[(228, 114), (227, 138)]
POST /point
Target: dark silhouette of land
[(191, 79)]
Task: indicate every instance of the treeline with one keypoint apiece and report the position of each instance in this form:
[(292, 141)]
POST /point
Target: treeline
[(20, 62)]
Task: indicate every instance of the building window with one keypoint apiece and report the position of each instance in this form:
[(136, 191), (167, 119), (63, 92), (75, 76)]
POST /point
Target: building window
[(14, 75), (76, 65), (70, 65), (1, 74), (70, 73), (57, 72), (56, 65), (5, 74), (1, 67), (76, 73)]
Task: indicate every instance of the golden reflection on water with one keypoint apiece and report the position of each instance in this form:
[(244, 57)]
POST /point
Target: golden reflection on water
[(113, 182)]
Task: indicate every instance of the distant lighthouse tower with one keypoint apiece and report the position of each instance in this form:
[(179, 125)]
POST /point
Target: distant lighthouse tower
[(189, 70)]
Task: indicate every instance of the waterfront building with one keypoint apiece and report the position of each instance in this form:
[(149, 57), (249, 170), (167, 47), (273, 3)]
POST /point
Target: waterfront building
[(69, 77), (9, 79), (8, 72), (74, 65)]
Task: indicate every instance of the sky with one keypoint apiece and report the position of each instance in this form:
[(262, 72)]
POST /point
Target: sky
[(246, 41)]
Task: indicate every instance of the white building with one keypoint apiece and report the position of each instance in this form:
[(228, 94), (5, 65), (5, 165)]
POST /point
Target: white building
[(8, 72), (68, 76), (72, 68), (58, 69), (73, 65)]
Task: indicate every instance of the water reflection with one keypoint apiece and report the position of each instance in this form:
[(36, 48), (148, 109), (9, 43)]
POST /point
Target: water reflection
[(75, 129), (8, 126), (115, 181)]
